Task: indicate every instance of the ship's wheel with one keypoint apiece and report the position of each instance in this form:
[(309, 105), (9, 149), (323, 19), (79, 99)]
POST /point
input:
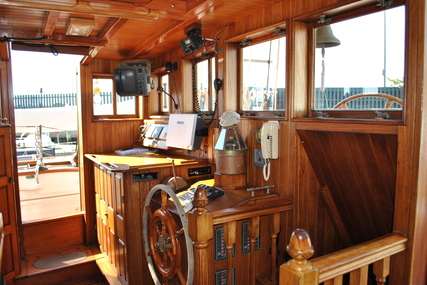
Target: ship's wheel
[(168, 247)]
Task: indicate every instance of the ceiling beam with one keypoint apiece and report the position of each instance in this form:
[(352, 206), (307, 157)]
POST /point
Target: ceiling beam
[(196, 14), (87, 59), (112, 27), (50, 24), (102, 8)]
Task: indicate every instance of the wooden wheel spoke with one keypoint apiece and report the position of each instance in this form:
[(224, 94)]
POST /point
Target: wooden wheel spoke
[(164, 239), (180, 232)]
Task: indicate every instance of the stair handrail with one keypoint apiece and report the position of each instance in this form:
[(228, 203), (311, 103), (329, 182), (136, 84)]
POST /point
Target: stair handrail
[(331, 267)]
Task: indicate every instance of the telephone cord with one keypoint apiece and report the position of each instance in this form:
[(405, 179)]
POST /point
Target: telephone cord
[(266, 169)]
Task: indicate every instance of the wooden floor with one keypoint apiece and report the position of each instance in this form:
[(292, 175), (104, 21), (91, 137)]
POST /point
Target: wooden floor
[(90, 271)]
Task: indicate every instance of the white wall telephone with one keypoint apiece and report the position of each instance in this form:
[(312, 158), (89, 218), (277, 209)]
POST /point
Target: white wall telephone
[(269, 145)]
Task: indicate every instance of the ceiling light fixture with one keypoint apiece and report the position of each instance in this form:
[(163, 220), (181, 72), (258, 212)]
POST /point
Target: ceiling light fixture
[(80, 27)]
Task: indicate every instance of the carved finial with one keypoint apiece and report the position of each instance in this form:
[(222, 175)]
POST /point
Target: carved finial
[(200, 200), (300, 249)]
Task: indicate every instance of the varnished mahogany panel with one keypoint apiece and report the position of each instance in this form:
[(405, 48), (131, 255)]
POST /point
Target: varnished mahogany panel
[(360, 171)]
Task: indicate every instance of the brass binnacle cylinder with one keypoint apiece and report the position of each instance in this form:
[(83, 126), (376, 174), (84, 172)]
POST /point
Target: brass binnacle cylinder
[(231, 161)]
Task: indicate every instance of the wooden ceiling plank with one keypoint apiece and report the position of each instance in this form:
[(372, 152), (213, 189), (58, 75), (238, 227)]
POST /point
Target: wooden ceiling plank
[(156, 39), (168, 6), (49, 27), (173, 29), (104, 8), (112, 27), (141, 3)]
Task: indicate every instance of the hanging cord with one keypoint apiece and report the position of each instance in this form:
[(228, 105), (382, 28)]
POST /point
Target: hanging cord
[(194, 81), (266, 169), (217, 85), (215, 106), (16, 41)]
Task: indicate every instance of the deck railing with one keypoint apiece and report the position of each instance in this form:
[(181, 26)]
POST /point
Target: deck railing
[(36, 101), (326, 100), (331, 268)]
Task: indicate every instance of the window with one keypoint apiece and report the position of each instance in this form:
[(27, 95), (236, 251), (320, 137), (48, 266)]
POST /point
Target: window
[(264, 76), (165, 99), (107, 103), (363, 68), (206, 95)]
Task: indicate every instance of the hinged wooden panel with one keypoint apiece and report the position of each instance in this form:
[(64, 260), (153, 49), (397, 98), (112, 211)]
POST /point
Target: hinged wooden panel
[(10, 263)]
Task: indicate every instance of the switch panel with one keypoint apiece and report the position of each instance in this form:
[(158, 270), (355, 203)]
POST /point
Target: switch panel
[(246, 243), (221, 277), (220, 247), (199, 171)]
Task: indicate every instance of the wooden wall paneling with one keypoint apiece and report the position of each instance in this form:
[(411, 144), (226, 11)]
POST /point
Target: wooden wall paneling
[(133, 225), (10, 264), (349, 165), (185, 76), (420, 206), (9, 185), (409, 194), (297, 75), (309, 210), (313, 7), (231, 92), (154, 98), (248, 128), (53, 234), (98, 136), (273, 14)]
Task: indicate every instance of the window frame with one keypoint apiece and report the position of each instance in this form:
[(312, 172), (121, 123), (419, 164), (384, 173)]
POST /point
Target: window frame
[(114, 101), (263, 113), (265, 34), (212, 98), (369, 114)]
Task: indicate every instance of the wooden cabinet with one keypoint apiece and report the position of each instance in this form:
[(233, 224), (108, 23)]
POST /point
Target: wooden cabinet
[(120, 195), (244, 228), (10, 265)]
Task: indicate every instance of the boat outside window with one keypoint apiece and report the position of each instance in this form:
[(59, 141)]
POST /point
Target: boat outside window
[(46, 127), (359, 62)]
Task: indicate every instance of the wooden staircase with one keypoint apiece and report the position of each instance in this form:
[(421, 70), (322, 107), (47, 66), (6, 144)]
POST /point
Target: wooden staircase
[(85, 272)]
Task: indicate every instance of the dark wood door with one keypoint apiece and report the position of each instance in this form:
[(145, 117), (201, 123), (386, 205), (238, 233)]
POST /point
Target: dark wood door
[(10, 264)]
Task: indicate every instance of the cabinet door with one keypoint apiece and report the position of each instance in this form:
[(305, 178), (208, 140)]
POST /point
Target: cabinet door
[(119, 221), (10, 265), (105, 212)]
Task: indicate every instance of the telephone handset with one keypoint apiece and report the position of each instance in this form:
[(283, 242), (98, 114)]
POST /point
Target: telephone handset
[(269, 145)]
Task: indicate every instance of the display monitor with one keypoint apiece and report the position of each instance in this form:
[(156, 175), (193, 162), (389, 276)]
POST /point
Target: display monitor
[(182, 130), (133, 79)]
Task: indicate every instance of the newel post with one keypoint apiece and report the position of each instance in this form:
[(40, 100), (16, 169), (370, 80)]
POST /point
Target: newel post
[(200, 230), (299, 270)]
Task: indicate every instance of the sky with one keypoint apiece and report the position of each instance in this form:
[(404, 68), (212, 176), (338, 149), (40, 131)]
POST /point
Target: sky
[(358, 61), (40, 70)]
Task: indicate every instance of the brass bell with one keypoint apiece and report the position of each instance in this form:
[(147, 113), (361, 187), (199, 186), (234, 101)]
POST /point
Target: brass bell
[(325, 38)]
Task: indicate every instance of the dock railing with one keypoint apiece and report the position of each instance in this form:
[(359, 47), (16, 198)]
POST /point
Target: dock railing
[(330, 269)]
